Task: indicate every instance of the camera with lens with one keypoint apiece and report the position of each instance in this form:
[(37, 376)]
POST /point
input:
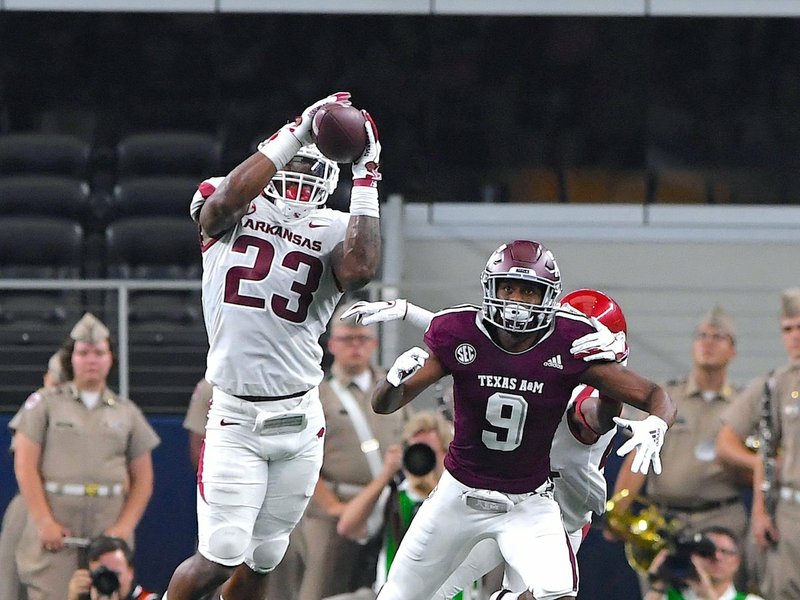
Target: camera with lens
[(677, 569), (105, 581), (419, 459)]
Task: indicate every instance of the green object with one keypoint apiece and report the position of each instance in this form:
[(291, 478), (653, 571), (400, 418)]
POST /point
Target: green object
[(404, 508)]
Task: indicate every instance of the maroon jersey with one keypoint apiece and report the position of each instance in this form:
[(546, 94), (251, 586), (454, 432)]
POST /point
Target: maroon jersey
[(506, 405)]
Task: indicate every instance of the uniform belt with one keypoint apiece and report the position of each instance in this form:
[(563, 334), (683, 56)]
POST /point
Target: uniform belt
[(272, 398), (84, 489), (705, 506), (345, 489), (790, 494)]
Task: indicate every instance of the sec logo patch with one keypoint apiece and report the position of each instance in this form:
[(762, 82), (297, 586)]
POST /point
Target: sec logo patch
[(465, 353)]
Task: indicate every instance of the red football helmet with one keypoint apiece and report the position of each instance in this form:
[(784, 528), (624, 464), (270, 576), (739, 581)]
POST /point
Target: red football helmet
[(529, 261), (594, 303)]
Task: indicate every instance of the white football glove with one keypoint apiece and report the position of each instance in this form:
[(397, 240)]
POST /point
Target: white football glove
[(369, 313), (364, 193), (601, 345), (282, 145), (408, 363), (365, 167), (647, 437)]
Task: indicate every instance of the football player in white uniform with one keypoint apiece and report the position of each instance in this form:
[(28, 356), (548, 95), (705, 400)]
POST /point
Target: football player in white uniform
[(275, 264), (580, 444)]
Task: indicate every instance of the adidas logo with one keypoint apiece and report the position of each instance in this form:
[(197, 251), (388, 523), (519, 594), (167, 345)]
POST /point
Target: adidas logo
[(554, 362)]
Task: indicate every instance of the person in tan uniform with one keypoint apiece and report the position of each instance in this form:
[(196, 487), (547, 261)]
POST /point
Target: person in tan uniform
[(320, 562), (777, 535), (83, 464), (694, 487), (196, 417), (15, 515)]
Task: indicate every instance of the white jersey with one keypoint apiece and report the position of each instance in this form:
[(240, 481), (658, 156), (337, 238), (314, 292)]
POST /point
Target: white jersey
[(580, 486), (268, 294)]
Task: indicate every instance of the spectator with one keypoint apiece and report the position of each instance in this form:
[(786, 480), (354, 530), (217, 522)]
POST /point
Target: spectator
[(109, 574), (694, 487), (776, 487), (320, 562), (742, 418), (83, 464), (711, 578), (407, 493), (15, 515)]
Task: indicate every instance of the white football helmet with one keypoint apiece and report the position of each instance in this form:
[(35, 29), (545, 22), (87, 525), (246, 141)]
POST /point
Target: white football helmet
[(304, 184), (528, 261)]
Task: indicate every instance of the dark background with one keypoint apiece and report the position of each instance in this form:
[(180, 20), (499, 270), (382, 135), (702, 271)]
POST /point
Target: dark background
[(463, 103)]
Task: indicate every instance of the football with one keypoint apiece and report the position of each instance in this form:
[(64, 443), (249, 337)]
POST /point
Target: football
[(339, 132)]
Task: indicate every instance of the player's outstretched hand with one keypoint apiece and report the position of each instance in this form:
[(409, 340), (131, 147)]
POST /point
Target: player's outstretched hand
[(602, 345), (647, 437), (408, 363), (369, 313), (282, 145), (365, 167)]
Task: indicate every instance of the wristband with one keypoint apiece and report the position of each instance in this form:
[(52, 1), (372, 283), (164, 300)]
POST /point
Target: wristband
[(418, 316), (280, 148), (364, 202)]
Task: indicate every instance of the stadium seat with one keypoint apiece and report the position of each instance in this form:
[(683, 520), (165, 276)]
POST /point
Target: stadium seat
[(598, 184), (44, 195), (44, 153), (152, 248), (682, 186), (748, 186), (534, 184), (38, 248), (167, 338), (152, 196), (188, 154)]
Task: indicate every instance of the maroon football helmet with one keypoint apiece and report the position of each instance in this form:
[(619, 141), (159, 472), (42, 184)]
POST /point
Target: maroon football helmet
[(594, 303), (529, 261)]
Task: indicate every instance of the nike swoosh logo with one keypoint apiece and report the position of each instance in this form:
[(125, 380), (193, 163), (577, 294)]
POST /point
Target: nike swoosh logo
[(315, 225), (223, 422)]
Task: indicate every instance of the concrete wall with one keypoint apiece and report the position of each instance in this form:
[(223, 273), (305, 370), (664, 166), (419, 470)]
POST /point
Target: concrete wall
[(666, 266)]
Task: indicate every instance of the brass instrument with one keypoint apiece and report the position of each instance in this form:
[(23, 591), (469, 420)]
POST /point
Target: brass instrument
[(645, 532)]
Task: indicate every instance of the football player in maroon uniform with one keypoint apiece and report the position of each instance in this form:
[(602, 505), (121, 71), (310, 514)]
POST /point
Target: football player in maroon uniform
[(513, 374)]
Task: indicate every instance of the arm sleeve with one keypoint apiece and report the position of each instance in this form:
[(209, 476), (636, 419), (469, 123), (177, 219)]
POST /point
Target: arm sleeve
[(204, 190), (142, 437), (32, 418), (744, 412)]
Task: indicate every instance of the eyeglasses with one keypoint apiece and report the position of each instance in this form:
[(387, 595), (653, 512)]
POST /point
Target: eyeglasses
[(715, 337), (727, 551), (353, 339)]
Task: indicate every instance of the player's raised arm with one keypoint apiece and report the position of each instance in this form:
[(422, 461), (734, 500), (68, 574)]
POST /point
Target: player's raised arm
[(357, 258)]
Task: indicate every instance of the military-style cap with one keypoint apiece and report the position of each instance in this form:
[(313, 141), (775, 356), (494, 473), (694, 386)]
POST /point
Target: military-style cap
[(721, 320), (89, 329), (790, 303)]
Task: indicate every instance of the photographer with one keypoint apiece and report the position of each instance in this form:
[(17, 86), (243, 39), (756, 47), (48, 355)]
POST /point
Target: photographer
[(109, 574), (701, 569), (426, 437)]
